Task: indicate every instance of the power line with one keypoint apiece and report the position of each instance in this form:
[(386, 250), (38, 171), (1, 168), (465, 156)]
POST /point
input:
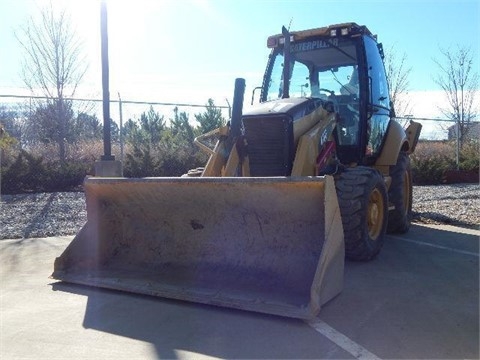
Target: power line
[(422, 119), (135, 102), (113, 101)]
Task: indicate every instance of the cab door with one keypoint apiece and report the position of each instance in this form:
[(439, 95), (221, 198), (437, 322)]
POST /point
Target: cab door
[(378, 107)]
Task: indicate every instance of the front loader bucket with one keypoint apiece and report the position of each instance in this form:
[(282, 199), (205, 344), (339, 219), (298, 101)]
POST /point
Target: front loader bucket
[(272, 245)]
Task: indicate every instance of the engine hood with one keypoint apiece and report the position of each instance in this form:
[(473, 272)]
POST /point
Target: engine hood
[(301, 113), (295, 107)]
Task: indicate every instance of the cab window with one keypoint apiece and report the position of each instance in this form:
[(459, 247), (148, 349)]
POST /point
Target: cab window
[(376, 73)]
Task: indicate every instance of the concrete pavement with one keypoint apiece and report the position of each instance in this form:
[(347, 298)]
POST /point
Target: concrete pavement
[(418, 299)]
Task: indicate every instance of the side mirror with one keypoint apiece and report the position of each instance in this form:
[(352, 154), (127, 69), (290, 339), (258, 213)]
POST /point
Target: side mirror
[(392, 110)]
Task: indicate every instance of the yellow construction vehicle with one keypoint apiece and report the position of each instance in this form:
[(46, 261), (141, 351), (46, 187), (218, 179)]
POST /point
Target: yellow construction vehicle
[(317, 171)]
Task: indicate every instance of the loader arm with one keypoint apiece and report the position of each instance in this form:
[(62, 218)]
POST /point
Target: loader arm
[(224, 159)]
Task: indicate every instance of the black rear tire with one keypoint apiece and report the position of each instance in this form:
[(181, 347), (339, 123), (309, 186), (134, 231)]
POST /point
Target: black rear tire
[(400, 195), (362, 197)]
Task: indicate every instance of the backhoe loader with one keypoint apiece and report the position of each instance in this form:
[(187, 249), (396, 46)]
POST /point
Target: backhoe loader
[(317, 171)]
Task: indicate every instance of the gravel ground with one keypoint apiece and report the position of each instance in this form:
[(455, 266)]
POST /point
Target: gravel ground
[(58, 214)]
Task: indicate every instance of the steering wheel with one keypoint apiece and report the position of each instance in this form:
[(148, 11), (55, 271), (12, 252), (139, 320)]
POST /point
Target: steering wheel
[(330, 92)]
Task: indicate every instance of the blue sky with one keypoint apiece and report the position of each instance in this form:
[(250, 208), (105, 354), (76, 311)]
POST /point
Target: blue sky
[(190, 50)]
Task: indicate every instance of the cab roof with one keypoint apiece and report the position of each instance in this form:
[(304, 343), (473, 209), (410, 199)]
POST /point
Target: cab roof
[(343, 29)]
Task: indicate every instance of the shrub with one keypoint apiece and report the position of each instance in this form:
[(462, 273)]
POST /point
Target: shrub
[(142, 162), (430, 161), (469, 156), (37, 170), (164, 159), (65, 177), (181, 159), (24, 172)]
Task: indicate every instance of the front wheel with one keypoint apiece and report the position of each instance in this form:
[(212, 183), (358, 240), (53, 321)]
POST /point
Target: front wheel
[(363, 201)]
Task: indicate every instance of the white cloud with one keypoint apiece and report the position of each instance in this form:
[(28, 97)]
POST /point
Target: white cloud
[(427, 105)]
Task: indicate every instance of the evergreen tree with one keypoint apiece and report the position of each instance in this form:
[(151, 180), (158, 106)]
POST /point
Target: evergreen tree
[(152, 125), (181, 127), (210, 119), (87, 127)]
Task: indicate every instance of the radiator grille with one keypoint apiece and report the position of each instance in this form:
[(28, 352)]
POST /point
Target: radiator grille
[(269, 142)]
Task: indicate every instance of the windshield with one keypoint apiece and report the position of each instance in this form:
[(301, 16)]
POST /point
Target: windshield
[(325, 69), (319, 68)]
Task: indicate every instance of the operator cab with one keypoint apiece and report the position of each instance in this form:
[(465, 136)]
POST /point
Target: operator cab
[(342, 65)]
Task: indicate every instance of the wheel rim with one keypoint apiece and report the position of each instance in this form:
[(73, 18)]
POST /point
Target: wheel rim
[(406, 191), (375, 214)]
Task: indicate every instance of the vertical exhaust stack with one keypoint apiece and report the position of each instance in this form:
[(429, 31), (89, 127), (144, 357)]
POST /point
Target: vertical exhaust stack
[(236, 120), (271, 245), (287, 64)]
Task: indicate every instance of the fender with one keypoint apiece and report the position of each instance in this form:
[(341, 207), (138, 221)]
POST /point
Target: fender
[(413, 133), (396, 140)]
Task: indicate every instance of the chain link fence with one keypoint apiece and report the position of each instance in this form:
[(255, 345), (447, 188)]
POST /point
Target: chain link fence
[(150, 138), (17, 111)]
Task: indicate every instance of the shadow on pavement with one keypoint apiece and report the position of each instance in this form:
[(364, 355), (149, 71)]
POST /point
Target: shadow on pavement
[(174, 326), (418, 299)]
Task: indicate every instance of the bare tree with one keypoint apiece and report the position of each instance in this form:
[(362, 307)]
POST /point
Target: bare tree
[(53, 64), (397, 76), (460, 84)]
